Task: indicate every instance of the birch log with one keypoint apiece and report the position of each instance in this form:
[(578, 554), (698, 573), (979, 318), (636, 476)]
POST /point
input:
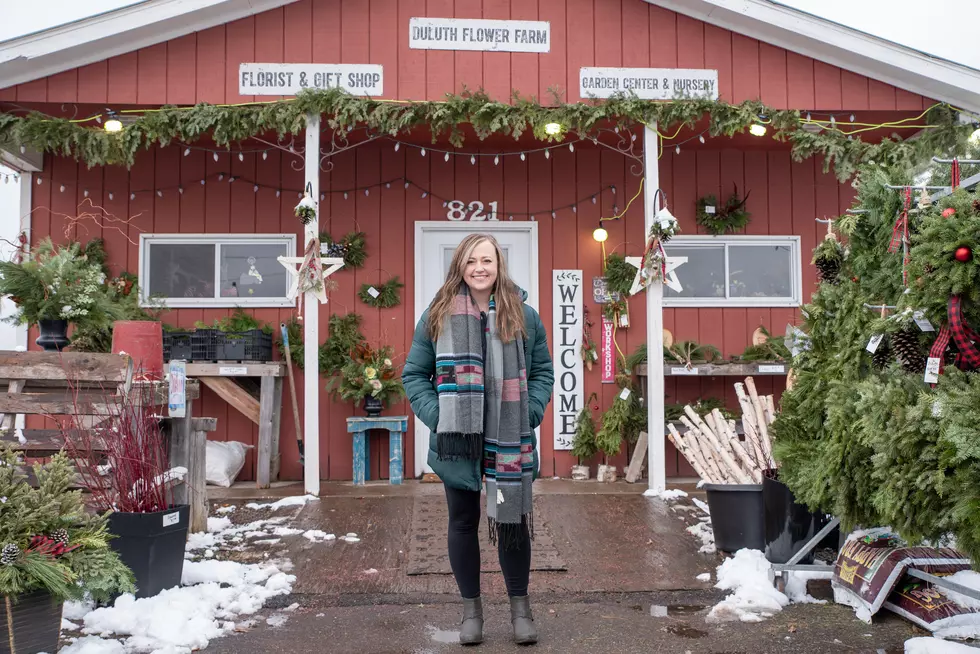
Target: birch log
[(679, 442), (749, 425), (761, 418), (695, 440), (732, 438), (722, 450)]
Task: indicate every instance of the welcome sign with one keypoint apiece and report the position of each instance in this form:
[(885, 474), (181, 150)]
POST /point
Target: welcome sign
[(479, 34), (569, 377)]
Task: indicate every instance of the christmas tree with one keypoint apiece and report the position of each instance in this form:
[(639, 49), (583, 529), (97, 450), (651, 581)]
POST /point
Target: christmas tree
[(880, 427)]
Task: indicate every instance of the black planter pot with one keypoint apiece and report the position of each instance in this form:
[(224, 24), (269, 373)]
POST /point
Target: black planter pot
[(152, 546), (788, 525), (36, 620), (53, 336), (373, 406), (736, 516)]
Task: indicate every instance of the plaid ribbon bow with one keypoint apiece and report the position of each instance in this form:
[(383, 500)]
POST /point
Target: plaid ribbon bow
[(900, 234), (962, 334), (955, 174)]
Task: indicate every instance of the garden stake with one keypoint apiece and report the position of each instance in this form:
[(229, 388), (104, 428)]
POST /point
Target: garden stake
[(292, 391)]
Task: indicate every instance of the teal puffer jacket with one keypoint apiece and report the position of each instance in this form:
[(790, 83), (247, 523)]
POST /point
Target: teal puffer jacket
[(419, 379)]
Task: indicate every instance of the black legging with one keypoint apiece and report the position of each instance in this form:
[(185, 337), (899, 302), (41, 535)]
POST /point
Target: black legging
[(464, 548)]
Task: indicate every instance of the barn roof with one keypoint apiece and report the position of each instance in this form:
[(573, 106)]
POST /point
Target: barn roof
[(99, 37)]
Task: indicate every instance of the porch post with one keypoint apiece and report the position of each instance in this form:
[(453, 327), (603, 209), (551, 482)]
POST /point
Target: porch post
[(311, 324), (657, 473)]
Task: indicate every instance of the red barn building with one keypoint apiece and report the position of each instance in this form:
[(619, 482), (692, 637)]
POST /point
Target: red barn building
[(194, 205)]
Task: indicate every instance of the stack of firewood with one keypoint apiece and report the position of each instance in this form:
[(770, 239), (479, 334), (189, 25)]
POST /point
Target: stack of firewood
[(712, 445)]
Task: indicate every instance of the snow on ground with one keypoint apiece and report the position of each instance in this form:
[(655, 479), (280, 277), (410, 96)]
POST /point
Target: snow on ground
[(215, 598), (704, 576), (928, 645), (666, 495), (298, 500)]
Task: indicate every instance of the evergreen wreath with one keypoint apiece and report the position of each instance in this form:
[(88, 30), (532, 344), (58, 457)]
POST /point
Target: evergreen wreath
[(228, 125), (352, 248), (388, 294), (345, 336), (729, 217), (619, 274)]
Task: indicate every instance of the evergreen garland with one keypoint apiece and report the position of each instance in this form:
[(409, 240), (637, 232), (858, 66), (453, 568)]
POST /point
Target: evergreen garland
[(228, 125), (352, 248), (619, 275), (729, 217), (345, 336), (389, 294)]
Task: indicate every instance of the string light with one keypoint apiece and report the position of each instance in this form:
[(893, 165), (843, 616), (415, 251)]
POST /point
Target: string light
[(677, 150), (215, 156), (523, 157)]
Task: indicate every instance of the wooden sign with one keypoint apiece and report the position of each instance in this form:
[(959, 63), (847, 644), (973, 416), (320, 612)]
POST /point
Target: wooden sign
[(648, 83), (608, 357), (290, 79), (569, 373), (479, 34), (601, 293)]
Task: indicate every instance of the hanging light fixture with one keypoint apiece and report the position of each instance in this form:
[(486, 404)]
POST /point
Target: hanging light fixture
[(112, 124), (553, 129), (600, 234), (758, 128)]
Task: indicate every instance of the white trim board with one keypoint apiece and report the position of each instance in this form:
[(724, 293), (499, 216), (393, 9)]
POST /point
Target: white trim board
[(116, 32), (841, 46)]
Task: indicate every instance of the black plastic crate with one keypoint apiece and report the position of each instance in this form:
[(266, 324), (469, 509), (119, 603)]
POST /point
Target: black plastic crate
[(178, 345)]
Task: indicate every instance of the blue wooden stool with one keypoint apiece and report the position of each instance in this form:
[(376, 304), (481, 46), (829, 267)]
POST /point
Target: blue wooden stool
[(396, 426)]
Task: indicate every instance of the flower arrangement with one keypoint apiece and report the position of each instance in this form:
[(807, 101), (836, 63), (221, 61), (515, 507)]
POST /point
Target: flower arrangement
[(368, 372), (48, 541), (59, 283)]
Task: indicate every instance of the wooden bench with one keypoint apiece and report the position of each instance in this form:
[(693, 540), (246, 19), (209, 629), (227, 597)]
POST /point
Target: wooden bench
[(81, 385)]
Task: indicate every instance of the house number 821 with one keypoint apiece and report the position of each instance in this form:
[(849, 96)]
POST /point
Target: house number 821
[(459, 210)]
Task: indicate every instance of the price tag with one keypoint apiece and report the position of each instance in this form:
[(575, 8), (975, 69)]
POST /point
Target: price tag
[(373, 292), (932, 370), (625, 395), (710, 210), (874, 343), (772, 368), (684, 371), (233, 370), (923, 322), (171, 519)]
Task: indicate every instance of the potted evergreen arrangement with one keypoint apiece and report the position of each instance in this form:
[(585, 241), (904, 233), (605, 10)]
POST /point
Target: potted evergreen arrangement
[(51, 550), (56, 286), (123, 463), (368, 375), (584, 445)]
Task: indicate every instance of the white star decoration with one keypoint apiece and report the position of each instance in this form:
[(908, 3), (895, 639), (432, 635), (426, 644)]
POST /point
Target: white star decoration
[(293, 265), (670, 278)]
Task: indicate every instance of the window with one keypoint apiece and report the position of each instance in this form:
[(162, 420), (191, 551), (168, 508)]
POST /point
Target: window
[(736, 271), (184, 270)]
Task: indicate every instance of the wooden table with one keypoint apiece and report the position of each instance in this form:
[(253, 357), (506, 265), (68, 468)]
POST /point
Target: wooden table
[(266, 411)]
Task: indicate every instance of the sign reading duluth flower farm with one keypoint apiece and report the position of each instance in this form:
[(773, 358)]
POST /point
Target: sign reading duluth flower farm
[(567, 335), (648, 83), (479, 34)]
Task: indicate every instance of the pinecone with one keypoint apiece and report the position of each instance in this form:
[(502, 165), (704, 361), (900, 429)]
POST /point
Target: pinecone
[(60, 536), (828, 269), (883, 355), (9, 554), (906, 344)]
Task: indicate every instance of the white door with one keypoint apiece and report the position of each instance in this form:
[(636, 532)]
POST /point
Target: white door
[(435, 242)]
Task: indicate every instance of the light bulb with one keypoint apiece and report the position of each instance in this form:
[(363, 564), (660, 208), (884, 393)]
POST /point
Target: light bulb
[(600, 235), (113, 125), (757, 129), (975, 137), (552, 129)]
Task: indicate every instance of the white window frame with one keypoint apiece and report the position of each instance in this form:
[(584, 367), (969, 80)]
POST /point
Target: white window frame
[(796, 283), (217, 240)]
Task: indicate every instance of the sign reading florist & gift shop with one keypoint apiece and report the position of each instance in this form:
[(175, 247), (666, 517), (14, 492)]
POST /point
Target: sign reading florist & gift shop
[(569, 376), (290, 79)]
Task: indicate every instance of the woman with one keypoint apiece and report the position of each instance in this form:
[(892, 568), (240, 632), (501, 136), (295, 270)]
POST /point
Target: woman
[(479, 375)]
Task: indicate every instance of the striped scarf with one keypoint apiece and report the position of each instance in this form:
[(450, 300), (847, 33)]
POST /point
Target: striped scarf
[(484, 411)]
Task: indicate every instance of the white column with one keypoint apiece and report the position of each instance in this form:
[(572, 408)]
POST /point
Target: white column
[(311, 325), (657, 472)]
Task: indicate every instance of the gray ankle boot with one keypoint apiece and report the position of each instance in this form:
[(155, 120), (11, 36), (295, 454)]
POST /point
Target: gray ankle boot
[(471, 631), (525, 633)]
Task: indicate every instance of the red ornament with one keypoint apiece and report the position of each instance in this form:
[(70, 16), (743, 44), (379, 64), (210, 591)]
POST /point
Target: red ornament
[(963, 254), (948, 212)]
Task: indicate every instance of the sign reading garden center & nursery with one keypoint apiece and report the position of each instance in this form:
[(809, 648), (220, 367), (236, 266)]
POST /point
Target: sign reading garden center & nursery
[(567, 336), (479, 34), (290, 79), (648, 83)]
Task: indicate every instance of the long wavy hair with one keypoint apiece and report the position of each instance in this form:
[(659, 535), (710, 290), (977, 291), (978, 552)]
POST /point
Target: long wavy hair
[(507, 296)]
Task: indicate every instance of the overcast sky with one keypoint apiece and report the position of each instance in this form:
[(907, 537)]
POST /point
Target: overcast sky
[(944, 28)]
